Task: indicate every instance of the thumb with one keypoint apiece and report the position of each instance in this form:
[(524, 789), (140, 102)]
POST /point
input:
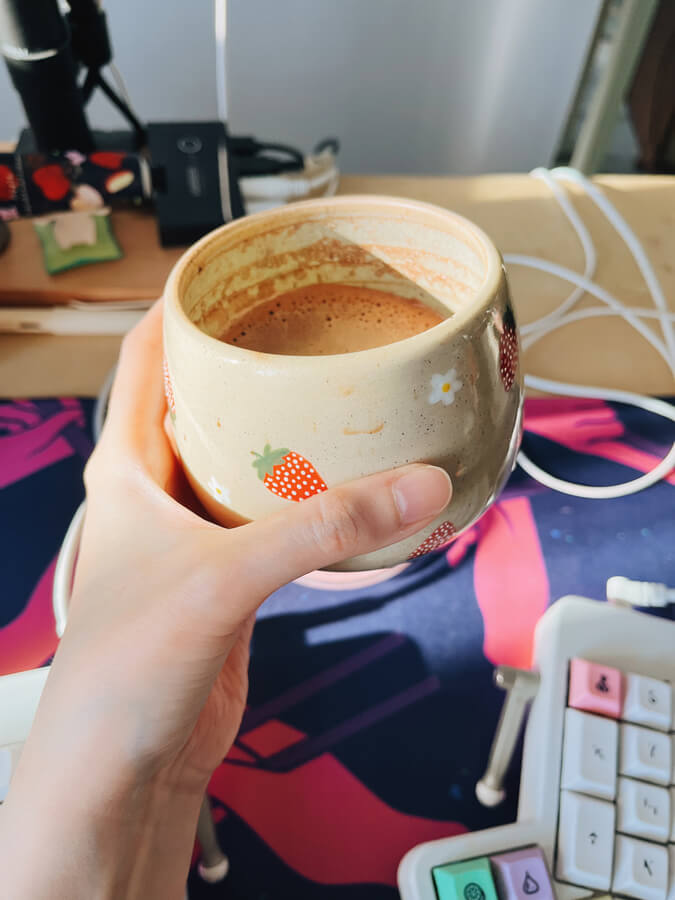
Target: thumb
[(345, 521)]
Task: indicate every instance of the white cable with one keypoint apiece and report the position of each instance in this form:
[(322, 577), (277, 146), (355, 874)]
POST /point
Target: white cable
[(282, 189), (590, 258), (545, 324), (220, 28), (590, 312), (267, 192), (63, 571), (620, 225), (121, 86), (649, 404), (543, 265), (333, 185), (101, 405), (65, 563), (626, 592), (608, 492)]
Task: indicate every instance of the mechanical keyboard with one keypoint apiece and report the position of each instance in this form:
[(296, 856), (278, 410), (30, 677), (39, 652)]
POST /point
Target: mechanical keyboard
[(596, 810)]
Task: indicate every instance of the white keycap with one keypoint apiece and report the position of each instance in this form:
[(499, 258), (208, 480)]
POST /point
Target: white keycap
[(590, 754), (643, 810), (645, 754), (5, 771), (671, 870), (647, 702), (585, 841), (640, 869), (672, 814)]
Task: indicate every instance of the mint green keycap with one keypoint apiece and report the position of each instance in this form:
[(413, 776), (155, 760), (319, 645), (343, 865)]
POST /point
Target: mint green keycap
[(471, 880)]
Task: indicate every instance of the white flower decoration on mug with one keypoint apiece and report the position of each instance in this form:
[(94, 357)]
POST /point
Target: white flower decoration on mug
[(444, 387), (220, 493)]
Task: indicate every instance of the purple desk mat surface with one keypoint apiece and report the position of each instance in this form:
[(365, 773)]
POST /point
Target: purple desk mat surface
[(371, 711)]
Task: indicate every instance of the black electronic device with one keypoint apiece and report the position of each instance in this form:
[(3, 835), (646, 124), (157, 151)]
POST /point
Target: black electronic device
[(35, 42), (56, 61), (45, 51), (195, 186), (4, 236)]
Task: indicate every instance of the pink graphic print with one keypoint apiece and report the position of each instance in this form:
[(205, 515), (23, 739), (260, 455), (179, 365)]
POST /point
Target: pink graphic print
[(30, 639), (320, 819), (31, 442), (510, 581), (588, 426)]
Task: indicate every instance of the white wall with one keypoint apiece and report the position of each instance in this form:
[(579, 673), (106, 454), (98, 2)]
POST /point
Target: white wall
[(431, 86)]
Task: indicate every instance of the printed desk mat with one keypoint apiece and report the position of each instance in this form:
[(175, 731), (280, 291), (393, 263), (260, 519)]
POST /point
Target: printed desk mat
[(371, 711)]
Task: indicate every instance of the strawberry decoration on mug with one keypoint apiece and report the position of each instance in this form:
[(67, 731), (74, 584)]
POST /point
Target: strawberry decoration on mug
[(168, 390), (288, 474), (508, 348), (438, 538)]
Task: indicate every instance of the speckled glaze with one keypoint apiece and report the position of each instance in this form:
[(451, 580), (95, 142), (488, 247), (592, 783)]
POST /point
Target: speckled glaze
[(451, 395)]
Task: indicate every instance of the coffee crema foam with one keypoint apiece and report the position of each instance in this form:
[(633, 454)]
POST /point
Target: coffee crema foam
[(327, 319)]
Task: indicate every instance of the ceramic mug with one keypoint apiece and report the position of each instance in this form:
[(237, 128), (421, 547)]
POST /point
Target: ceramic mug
[(451, 396)]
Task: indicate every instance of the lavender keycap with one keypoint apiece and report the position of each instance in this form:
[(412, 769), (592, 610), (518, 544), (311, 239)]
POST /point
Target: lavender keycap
[(522, 875)]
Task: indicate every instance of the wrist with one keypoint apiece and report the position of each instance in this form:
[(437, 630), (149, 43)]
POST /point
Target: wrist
[(136, 844), (110, 823)]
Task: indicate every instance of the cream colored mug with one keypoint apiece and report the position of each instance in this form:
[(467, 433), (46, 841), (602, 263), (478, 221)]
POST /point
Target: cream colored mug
[(451, 396)]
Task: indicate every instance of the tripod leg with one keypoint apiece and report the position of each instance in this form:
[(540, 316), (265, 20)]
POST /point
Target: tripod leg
[(214, 865), (521, 686)]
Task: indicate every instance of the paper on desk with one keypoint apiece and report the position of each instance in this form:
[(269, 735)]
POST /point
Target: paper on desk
[(76, 318), (110, 304)]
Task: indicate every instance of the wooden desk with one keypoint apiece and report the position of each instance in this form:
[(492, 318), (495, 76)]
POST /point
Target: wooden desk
[(517, 211)]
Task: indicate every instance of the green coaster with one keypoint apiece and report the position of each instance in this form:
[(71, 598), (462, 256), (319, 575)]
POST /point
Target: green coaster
[(72, 239)]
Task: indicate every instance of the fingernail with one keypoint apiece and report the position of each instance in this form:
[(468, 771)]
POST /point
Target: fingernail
[(422, 492)]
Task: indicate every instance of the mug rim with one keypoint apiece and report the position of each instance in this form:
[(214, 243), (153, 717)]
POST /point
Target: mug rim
[(410, 346)]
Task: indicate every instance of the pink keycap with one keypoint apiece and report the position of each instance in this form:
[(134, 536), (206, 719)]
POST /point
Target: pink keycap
[(521, 875), (595, 688)]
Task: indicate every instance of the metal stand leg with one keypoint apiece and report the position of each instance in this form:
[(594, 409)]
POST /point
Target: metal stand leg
[(214, 865), (521, 686), (635, 20)]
